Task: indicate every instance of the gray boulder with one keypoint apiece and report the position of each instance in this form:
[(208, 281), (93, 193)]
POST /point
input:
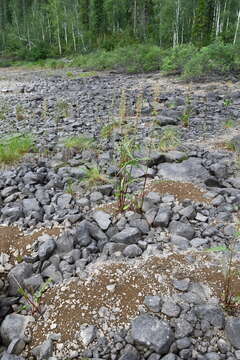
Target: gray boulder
[(188, 170), (153, 303), (17, 276), (65, 243), (181, 229), (132, 251), (163, 217), (102, 219), (14, 326), (232, 330), (30, 205), (153, 333), (46, 247), (212, 313), (127, 236)]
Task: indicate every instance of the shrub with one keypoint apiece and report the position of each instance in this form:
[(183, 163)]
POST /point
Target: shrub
[(217, 57), (176, 58), (137, 58)]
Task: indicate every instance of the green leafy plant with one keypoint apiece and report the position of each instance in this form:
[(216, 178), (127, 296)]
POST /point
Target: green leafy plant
[(227, 102), (186, 117), (229, 272), (14, 147), (33, 299), (125, 179)]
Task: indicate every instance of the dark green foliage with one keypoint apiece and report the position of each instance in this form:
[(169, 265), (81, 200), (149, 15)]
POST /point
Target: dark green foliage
[(34, 29)]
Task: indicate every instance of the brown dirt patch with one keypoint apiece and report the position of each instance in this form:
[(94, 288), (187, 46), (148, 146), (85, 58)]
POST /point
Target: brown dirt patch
[(180, 190), (90, 302), (12, 239)]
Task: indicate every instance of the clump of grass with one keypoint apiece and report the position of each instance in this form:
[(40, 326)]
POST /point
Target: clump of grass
[(13, 148), (229, 124), (169, 139), (93, 177), (108, 129), (87, 74), (62, 108), (69, 74), (79, 143)]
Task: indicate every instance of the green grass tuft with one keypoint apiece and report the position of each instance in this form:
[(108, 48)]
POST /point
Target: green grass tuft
[(79, 143), (13, 148)]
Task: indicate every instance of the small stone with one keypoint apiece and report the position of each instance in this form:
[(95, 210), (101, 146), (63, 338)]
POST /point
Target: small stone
[(88, 334), (181, 285), (111, 287), (132, 251), (170, 309), (153, 303)]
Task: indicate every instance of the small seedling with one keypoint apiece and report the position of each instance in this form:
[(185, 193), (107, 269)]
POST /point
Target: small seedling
[(33, 300), (229, 272), (227, 102), (186, 118)]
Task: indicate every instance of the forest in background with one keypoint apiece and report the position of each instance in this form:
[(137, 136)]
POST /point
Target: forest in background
[(35, 29)]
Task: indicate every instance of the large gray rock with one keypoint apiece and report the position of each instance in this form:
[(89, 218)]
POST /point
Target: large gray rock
[(17, 276), (163, 217), (14, 326), (102, 219), (12, 213), (127, 236), (232, 330), (46, 247), (182, 328), (65, 243), (181, 229), (30, 205), (132, 251), (212, 313), (188, 170), (64, 201), (153, 333)]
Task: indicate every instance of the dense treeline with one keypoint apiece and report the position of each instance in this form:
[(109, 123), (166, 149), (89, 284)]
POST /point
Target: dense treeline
[(40, 28)]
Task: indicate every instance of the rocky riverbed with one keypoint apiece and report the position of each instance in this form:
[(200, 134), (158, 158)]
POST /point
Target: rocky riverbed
[(78, 278)]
